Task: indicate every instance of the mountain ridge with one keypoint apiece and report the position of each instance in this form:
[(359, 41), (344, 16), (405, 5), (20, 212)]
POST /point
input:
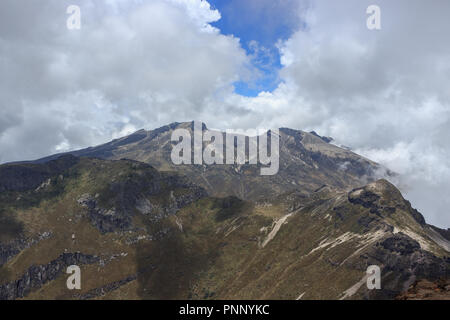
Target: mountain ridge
[(306, 161), (140, 232)]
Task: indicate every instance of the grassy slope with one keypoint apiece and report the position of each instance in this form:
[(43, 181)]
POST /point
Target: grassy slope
[(211, 249)]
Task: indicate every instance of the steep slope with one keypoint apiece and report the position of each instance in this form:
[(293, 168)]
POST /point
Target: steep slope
[(85, 212), (307, 162), (138, 233), (319, 247)]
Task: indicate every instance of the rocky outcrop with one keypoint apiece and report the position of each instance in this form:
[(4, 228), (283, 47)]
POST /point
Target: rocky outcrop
[(7, 251), (383, 199), (104, 220), (325, 139), (403, 262), (100, 292), (14, 247), (23, 177), (37, 276), (132, 196)]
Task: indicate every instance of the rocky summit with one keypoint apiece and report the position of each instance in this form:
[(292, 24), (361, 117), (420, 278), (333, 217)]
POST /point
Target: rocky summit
[(140, 227)]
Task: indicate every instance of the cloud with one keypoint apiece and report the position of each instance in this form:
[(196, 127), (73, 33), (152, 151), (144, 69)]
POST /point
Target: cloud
[(384, 93), (132, 64), (424, 174)]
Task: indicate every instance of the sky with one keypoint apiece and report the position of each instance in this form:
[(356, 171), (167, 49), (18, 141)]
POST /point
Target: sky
[(260, 25), (237, 64)]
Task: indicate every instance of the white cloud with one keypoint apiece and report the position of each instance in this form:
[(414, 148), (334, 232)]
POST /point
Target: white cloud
[(385, 93), (132, 64), (200, 11)]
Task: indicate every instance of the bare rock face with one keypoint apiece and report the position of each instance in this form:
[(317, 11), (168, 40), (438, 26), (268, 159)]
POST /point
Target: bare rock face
[(383, 197), (105, 220), (37, 276), (403, 262), (99, 292), (131, 197), (11, 248), (18, 177)]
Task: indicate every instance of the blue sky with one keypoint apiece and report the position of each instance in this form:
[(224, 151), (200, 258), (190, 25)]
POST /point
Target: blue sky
[(259, 24)]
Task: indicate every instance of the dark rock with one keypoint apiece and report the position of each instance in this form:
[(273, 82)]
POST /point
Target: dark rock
[(99, 292), (402, 262), (14, 247), (417, 216), (37, 276), (129, 194), (366, 199), (400, 244), (23, 177), (325, 139)]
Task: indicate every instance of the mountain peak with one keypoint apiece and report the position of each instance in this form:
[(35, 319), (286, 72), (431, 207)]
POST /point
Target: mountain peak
[(306, 161)]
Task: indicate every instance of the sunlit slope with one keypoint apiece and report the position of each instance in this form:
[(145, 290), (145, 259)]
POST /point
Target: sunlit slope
[(138, 233)]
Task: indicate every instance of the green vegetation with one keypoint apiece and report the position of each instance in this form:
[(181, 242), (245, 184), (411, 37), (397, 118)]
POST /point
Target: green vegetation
[(179, 244)]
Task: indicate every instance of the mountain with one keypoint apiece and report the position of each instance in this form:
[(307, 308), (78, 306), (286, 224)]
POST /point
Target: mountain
[(307, 162), (142, 228)]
